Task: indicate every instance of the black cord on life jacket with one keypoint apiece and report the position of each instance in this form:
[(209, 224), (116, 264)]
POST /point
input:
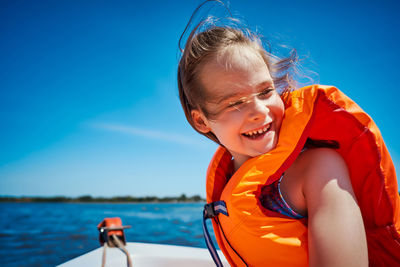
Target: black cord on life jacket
[(211, 210)]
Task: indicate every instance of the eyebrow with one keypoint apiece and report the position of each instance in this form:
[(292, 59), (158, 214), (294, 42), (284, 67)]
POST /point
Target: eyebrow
[(220, 99)]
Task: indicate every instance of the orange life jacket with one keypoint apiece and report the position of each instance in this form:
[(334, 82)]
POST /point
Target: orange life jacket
[(255, 236)]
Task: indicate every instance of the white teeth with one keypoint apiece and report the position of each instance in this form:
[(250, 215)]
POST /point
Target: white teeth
[(260, 131)]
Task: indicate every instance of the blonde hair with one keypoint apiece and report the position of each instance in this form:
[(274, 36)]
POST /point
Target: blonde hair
[(202, 46)]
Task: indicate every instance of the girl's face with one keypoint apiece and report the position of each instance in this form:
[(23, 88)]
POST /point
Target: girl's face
[(248, 109)]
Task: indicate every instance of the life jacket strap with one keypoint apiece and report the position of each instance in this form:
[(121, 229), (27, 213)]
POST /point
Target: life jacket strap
[(210, 211)]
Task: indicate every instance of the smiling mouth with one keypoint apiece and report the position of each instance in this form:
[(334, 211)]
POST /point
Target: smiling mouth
[(257, 133)]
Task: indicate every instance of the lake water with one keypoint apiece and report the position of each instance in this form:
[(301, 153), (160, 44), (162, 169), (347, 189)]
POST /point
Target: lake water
[(47, 234)]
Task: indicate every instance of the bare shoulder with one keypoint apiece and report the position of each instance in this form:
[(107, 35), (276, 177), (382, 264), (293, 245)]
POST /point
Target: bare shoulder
[(306, 180), (321, 166), (320, 159)]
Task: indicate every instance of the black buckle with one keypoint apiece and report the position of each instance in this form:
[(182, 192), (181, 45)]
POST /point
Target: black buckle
[(209, 210)]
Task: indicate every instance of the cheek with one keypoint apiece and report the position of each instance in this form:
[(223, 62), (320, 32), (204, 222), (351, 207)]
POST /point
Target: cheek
[(279, 111), (226, 126)]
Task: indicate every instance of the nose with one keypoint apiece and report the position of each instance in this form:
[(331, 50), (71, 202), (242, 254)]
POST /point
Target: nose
[(258, 110)]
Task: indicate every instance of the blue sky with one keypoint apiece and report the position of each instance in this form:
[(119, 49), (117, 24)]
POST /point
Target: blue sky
[(88, 94)]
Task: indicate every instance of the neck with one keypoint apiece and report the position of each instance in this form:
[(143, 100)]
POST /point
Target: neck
[(238, 160)]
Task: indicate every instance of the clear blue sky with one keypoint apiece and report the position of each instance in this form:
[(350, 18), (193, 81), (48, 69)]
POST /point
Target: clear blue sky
[(88, 95)]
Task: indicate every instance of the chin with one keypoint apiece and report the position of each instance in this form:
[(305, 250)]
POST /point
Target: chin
[(259, 153), (266, 149)]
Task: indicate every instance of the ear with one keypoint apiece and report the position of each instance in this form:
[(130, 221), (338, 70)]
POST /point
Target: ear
[(200, 121)]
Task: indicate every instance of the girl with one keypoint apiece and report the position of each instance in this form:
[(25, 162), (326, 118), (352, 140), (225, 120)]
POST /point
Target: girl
[(236, 94)]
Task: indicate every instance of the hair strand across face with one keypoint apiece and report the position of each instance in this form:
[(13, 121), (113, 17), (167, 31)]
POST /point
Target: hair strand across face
[(205, 43)]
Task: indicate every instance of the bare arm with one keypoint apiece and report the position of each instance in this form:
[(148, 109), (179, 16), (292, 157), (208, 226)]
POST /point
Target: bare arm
[(336, 230)]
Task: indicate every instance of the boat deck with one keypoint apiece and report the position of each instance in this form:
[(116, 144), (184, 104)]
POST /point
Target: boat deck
[(148, 255)]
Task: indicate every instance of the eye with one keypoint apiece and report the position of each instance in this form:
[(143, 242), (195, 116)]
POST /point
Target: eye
[(236, 104), (265, 93)]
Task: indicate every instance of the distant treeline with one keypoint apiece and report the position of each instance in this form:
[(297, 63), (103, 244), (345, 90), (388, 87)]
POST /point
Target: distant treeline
[(90, 199)]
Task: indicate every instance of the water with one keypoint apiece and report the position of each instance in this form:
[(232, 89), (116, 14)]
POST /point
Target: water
[(47, 234)]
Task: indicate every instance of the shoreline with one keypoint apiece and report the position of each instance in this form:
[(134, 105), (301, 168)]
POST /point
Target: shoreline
[(89, 199)]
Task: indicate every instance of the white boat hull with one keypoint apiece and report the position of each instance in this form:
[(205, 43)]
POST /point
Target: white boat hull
[(148, 255)]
